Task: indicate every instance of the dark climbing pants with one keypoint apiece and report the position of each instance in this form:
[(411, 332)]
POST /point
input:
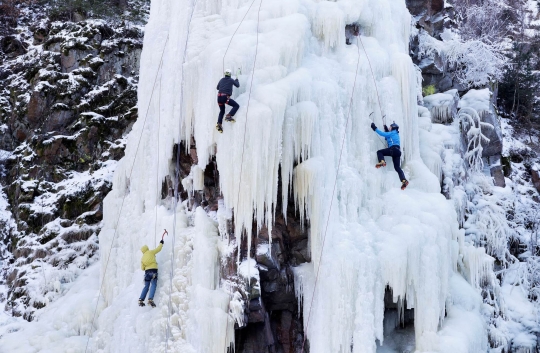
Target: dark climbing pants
[(222, 100), (150, 282), (395, 153)]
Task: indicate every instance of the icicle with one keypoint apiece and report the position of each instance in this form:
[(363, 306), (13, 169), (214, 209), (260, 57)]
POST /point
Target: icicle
[(198, 178), (374, 234)]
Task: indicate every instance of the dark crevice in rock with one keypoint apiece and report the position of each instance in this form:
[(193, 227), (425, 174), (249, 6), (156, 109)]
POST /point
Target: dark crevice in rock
[(275, 322), (398, 324)]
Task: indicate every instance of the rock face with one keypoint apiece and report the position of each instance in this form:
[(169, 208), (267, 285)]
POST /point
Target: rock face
[(536, 179), (498, 176), (482, 102), (418, 7), (495, 145), (432, 18), (69, 97), (274, 318)]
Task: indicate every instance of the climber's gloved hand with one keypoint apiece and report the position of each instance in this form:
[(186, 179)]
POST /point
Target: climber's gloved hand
[(162, 242), (386, 129), (373, 126)]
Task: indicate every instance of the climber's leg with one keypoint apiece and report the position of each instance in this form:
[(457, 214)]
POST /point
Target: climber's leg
[(234, 106), (145, 290), (221, 102), (230, 117), (380, 157), (396, 158), (153, 285)]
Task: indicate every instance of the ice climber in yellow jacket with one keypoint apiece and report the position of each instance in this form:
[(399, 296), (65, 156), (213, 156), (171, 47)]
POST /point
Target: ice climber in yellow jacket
[(150, 267)]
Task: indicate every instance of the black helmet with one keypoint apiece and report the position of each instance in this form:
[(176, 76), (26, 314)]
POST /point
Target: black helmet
[(394, 126)]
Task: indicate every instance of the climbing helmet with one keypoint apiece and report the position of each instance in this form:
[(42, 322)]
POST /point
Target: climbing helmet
[(228, 72)]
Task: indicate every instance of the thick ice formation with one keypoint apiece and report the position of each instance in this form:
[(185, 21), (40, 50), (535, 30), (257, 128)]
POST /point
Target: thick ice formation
[(303, 78), (443, 106)]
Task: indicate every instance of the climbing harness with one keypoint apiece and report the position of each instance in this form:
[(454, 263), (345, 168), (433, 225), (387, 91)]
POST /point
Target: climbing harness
[(331, 202), (222, 95), (125, 194)]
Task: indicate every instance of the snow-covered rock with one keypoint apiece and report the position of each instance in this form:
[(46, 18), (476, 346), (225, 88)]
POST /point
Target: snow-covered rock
[(443, 106), (481, 101), (67, 102)]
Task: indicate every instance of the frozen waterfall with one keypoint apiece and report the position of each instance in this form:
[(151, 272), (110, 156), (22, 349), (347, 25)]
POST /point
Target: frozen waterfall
[(378, 236), (303, 78)]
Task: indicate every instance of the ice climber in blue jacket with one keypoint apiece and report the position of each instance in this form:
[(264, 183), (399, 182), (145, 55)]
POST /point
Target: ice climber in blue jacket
[(225, 90), (393, 150)]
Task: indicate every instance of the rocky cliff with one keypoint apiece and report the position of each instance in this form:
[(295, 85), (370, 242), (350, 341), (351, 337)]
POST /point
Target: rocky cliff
[(69, 91)]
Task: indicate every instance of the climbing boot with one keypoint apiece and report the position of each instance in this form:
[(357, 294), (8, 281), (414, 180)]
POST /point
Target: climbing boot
[(219, 128), (151, 303), (229, 118), (380, 164), (404, 184), (141, 302)]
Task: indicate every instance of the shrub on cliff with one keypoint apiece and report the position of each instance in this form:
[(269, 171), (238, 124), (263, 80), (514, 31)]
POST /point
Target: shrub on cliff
[(72, 10), (9, 12)]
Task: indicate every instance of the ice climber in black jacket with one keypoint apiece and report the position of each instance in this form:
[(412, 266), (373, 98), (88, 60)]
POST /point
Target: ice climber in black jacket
[(225, 89)]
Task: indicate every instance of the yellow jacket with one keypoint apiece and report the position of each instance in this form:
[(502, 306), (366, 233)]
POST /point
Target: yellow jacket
[(148, 261)]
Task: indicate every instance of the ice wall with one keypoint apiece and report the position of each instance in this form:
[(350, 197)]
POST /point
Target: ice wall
[(302, 84)]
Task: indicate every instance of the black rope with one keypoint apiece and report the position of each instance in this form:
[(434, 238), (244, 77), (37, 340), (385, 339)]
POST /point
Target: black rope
[(374, 81), (247, 115), (157, 170), (331, 202), (125, 194), (177, 176), (237, 28)]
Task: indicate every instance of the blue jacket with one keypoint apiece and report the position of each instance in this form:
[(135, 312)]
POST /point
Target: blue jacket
[(392, 137)]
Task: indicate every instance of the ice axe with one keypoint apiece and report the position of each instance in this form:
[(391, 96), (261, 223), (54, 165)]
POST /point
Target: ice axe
[(164, 232)]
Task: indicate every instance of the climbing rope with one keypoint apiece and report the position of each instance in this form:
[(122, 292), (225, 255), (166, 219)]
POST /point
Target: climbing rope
[(247, 115), (125, 194), (380, 138), (176, 178), (237, 28), (157, 170), (331, 202), (374, 81), (248, 103)]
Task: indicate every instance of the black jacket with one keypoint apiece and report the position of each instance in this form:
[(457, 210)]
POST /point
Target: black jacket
[(225, 85)]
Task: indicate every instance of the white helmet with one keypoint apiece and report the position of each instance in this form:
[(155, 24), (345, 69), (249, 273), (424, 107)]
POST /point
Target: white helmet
[(228, 72)]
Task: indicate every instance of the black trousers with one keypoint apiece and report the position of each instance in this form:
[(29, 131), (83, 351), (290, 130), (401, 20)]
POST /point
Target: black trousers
[(222, 100), (395, 153)]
